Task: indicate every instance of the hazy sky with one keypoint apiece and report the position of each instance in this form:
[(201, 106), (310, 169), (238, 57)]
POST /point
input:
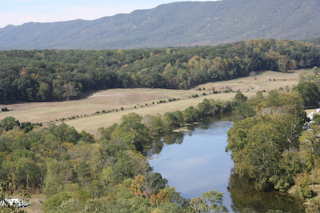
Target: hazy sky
[(17, 12)]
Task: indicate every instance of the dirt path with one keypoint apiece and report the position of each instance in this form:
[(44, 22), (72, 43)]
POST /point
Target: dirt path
[(34, 206), (257, 87)]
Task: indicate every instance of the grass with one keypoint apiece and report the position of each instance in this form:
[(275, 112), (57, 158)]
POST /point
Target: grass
[(34, 203), (129, 98)]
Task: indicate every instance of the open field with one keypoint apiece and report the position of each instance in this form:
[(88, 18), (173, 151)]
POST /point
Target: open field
[(128, 98)]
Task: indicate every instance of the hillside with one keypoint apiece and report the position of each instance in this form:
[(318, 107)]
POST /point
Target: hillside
[(175, 24)]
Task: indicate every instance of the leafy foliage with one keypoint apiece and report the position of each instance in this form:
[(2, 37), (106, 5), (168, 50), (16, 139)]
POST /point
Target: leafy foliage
[(47, 75)]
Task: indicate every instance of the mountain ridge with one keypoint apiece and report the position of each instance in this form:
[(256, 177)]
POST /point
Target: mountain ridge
[(173, 24)]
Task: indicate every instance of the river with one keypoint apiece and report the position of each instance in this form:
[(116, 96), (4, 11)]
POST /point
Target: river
[(196, 162)]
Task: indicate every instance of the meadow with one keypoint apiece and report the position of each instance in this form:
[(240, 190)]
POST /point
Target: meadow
[(114, 99)]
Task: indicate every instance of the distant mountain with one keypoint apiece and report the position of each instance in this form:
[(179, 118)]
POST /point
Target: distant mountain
[(175, 24)]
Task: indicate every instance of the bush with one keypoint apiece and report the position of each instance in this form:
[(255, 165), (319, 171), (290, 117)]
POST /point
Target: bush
[(305, 190), (55, 201), (5, 109), (122, 108)]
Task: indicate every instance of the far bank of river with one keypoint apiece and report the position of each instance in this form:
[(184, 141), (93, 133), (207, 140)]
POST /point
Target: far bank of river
[(196, 161)]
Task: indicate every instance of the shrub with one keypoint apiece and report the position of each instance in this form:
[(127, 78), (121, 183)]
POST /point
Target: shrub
[(55, 201), (122, 108), (5, 109)]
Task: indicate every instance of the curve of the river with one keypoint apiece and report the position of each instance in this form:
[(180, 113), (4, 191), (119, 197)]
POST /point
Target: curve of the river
[(196, 161)]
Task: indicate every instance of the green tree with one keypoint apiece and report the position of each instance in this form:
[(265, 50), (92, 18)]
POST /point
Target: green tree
[(310, 93), (132, 131), (9, 122)]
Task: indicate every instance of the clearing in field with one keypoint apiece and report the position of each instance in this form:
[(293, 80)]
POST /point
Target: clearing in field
[(130, 98)]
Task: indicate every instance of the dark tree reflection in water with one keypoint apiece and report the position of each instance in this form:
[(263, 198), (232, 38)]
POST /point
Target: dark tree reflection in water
[(244, 195), (196, 162), (168, 139)]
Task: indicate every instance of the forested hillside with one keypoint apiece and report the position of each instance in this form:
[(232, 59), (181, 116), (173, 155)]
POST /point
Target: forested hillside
[(49, 75), (175, 24)]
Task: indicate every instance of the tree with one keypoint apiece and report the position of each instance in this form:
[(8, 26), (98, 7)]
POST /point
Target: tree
[(132, 131), (309, 92), (44, 91), (310, 148), (257, 145), (190, 114), (210, 202), (9, 122), (316, 70)]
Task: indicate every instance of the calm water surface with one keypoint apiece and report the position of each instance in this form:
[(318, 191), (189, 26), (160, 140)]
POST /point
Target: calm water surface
[(196, 161)]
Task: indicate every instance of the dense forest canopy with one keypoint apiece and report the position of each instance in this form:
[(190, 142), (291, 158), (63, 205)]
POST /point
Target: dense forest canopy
[(50, 75)]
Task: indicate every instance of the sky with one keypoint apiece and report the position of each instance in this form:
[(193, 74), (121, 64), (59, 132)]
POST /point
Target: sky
[(17, 12)]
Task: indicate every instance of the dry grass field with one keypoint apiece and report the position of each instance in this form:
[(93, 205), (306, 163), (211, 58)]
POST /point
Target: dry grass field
[(128, 98)]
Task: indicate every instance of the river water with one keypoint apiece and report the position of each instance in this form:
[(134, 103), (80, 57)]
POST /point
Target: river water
[(196, 162)]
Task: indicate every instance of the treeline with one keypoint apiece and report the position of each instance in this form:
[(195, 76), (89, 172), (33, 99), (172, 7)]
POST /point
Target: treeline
[(10, 122), (137, 130), (269, 145), (78, 172), (50, 75)]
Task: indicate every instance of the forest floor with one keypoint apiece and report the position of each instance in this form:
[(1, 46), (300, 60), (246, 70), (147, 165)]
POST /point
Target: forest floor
[(110, 99)]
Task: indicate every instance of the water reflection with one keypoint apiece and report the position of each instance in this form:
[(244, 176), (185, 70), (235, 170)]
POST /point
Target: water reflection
[(169, 139), (244, 195), (196, 162)]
